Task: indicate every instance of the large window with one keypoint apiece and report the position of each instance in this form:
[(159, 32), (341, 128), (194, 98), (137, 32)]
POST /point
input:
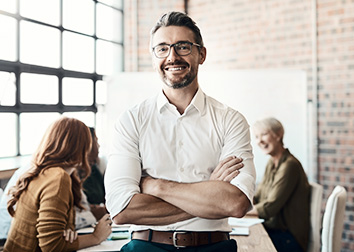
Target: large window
[(53, 56)]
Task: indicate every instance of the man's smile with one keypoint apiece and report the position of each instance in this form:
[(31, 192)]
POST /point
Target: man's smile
[(175, 67)]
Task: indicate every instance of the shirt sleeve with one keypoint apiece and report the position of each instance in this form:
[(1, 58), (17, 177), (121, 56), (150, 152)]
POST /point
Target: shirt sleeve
[(285, 180), (123, 173), (54, 211), (237, 143)]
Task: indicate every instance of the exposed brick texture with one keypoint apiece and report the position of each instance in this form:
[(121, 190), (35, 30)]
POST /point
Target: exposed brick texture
[(241, 34), (139, 17)]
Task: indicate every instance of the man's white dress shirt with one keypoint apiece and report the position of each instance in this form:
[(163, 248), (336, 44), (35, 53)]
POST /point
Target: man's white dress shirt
[(153, 139)]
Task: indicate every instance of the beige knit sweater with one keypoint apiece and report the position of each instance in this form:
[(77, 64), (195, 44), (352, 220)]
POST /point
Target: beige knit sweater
[(44, 211)]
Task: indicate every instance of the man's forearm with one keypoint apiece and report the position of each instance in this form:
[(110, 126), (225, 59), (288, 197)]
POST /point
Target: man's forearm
[(207, 199), (146, 209)]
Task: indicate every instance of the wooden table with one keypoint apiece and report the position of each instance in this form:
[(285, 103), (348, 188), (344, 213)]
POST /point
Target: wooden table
[(257, 240)]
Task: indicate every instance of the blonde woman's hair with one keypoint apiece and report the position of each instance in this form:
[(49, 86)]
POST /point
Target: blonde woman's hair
[(65, 144), (271, 124)]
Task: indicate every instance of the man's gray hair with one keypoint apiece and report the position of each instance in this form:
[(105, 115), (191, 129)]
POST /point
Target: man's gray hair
[(174, 18)]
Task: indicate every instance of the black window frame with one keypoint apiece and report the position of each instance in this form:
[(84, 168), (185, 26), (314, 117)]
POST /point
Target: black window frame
[(18, 68)]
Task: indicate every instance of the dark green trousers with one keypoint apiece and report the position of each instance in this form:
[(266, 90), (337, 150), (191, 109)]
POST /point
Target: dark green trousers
[(145, 246)]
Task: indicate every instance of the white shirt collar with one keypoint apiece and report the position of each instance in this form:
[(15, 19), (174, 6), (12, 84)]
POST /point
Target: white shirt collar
[(198, 101)]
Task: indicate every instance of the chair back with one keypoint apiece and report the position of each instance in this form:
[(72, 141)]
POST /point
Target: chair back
[(333, 218), (315, 217)]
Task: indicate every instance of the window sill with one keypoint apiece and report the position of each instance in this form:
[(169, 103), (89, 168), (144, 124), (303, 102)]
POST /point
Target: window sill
[(9, 165)]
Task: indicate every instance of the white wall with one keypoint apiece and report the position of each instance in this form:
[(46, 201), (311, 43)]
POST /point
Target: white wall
[(255, 93)]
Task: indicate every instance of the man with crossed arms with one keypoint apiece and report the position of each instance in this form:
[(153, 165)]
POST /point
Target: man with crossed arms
[(181, 162)]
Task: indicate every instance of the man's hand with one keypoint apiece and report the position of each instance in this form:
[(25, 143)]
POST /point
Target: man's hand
[(227, 169)]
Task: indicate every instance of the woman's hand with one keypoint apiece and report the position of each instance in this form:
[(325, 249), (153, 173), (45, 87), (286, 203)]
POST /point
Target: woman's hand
[(103, 228), (70, 235)]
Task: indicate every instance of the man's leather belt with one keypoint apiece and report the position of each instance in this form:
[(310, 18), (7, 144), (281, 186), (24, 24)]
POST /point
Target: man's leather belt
[(181, 239)]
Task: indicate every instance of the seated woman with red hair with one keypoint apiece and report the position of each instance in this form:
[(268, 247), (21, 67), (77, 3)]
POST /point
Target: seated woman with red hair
[(46, 195)]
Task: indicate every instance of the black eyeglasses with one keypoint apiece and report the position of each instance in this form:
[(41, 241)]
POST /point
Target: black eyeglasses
[(181, 48)]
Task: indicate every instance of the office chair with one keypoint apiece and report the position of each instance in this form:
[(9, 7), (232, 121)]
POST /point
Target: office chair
[(315, 217), (333, 218)]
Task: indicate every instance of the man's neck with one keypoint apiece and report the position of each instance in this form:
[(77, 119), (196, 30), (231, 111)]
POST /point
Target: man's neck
[(181, 98)]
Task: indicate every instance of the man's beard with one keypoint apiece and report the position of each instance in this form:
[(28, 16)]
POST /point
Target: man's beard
[(181, 82), (184, 82)]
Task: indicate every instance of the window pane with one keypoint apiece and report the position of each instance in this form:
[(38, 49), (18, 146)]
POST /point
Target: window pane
[(86, 117), (7, 89), (8, 5), (32, 129), (101, 92), (46, 11), (78, 52), (109, 23), (77, 91), (78, 15), (39, 89), (109, 58), (8, 136), (115, 3), (8, 34), (39, 45)]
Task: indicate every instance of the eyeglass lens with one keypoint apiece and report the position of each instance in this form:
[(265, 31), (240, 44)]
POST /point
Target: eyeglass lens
[(182, 49)]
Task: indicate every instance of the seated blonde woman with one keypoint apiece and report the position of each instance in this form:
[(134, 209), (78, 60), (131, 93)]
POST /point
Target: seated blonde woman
[(282, 197), (47, 194)]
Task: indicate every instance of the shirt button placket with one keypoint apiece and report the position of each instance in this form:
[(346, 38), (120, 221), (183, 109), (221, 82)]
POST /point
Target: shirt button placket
[(179, 146)]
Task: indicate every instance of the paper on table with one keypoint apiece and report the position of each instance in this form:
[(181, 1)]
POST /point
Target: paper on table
[(244, 222), (115, 228), (126, 226), (107, 246), (87, 230), (118, 238), (240, 231), (120, 229)]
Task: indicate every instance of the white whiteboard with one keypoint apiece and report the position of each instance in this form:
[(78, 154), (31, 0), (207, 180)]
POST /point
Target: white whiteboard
[(254, 93)]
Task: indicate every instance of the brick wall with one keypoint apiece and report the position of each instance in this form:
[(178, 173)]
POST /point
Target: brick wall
[(336, 103), (139, 17), (241, 34)]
